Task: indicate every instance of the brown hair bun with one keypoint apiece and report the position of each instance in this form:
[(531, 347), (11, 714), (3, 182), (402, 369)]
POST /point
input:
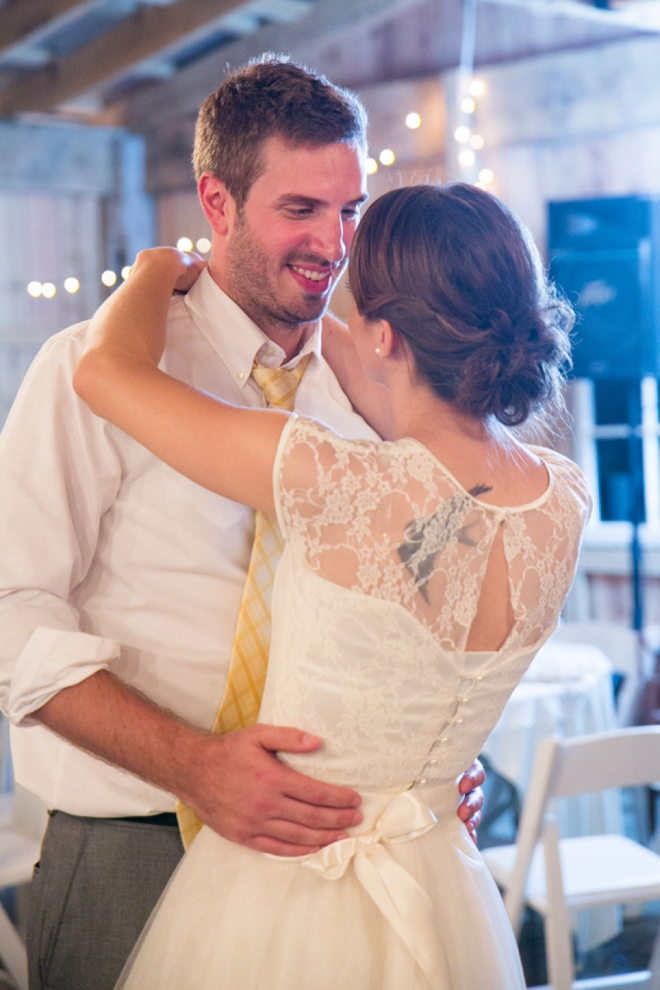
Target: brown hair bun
[(458, 278)]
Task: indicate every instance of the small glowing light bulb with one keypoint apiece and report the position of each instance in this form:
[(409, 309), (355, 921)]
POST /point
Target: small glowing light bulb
[(477, 87), (203, 245), (468, 105), (109, 278), (126, 271), (71, 285), (35, 289), (184, 244), (466, 158), (413, 121), (371, 166), (48, 290), (387, 157), (486, 176), (476, 142), (462, 134)]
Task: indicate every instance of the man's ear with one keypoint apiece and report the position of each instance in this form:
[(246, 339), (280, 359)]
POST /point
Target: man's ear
[(218, 204)]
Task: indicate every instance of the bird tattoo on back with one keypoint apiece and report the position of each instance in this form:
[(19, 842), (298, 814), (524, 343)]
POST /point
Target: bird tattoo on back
[(426, 537)]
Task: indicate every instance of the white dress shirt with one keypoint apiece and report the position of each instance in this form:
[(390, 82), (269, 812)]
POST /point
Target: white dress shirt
[(112, 560)]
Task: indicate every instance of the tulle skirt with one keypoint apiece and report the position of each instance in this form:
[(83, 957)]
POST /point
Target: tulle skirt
[(406, 904)]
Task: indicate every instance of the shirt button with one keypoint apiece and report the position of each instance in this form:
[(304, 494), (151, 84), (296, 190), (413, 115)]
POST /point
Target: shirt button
[(422, 780), (459, 721), (444, 739), (479, 677), (463, 699), (240, 376), (432, 763)]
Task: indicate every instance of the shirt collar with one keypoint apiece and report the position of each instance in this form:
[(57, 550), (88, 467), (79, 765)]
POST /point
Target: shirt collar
[(233, 335)]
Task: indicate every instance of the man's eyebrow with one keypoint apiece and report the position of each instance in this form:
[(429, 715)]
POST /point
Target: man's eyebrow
[(293, 199)]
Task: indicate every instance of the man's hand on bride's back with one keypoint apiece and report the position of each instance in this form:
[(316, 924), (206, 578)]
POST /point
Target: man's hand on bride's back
[(470, 809), (240, 789)]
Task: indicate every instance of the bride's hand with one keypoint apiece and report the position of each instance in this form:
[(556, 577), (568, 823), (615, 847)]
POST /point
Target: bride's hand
[(183, 266)]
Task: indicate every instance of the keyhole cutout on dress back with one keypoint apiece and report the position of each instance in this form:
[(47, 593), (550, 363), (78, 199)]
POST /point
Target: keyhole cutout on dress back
[(494, 618)]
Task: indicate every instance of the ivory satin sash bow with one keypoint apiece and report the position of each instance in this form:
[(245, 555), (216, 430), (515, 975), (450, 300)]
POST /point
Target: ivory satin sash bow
[(402, 900)]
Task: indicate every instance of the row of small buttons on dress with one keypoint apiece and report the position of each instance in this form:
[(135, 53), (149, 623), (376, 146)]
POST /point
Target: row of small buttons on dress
[(466, 684)]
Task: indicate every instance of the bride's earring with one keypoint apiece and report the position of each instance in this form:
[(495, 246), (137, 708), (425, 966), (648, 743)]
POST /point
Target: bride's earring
[(378, 350)]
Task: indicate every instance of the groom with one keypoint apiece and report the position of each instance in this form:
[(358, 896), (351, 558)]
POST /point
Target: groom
[(121, 582)]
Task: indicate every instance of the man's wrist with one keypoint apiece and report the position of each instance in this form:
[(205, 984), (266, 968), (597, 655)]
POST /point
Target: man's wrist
[(190, 749)]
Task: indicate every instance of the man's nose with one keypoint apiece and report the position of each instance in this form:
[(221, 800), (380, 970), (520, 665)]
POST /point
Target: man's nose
[(329, 239)]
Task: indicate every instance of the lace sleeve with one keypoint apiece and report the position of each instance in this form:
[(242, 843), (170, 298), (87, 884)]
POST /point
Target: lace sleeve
[(317, 479), (374, 517)]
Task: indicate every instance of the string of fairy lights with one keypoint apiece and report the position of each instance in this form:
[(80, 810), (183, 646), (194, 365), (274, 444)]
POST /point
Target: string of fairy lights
[(387, 156), (466, 135), (109, 278), (468, 91)]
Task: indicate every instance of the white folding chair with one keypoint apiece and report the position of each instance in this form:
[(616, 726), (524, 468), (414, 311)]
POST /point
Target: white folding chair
[(555, 875)]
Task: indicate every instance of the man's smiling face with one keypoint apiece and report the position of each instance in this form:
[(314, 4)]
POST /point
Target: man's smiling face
[(289, 244)]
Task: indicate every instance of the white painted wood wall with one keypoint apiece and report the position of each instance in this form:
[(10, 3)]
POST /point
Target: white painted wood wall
[(569, 125), (47, 238), (71, 204)]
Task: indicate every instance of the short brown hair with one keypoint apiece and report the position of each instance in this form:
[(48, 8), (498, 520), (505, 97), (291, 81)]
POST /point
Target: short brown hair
[(271, 96), (460, 280)]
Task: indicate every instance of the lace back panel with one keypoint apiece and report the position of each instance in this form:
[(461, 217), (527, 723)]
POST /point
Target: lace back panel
[(378, 589), (387, 520)]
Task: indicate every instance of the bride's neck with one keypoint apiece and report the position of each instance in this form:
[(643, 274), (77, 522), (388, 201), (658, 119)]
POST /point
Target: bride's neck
[(417, 412)]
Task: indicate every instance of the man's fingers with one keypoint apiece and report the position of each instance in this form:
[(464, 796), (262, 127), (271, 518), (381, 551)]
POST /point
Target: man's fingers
[(311, 792), (471, 805), (474, 823), (472, 778), (277, 737), (318, 817), (249, 833), (470, 808), (299, 835), (266, 844)]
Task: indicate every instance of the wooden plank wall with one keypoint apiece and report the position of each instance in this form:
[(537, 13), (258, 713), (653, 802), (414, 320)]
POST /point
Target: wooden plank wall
[(71, 204), (43, 237), (569, 125)]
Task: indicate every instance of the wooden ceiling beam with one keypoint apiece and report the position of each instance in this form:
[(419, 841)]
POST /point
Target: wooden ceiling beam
[(638, 14), (183, 93), (27, 21), (139, 36)]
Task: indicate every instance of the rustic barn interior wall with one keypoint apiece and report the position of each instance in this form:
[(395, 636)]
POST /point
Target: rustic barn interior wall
[(72, 205)]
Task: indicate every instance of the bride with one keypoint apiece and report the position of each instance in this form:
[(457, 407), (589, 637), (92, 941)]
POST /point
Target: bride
[(420, 577)]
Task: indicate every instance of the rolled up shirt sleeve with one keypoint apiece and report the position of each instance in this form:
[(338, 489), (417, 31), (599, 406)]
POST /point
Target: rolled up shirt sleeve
[(60, 470)]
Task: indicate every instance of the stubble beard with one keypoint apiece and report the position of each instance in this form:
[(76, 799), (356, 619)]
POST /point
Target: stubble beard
[(249, 284)]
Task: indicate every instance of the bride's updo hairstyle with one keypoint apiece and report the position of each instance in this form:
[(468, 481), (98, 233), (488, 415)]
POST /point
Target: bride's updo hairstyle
[(461, 282)]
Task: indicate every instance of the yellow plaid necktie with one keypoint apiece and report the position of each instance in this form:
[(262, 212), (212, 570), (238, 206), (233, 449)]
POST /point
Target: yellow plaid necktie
[(249, 659)]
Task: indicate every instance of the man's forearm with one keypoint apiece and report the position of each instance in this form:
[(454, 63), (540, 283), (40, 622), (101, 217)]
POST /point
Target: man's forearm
[(234, 783), (105, 717)]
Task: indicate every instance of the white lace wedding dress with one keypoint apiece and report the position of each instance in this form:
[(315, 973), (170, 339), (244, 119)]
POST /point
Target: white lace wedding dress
[(374, 599)]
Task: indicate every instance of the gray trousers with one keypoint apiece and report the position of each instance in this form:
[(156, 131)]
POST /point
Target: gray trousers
[(93, 889)]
